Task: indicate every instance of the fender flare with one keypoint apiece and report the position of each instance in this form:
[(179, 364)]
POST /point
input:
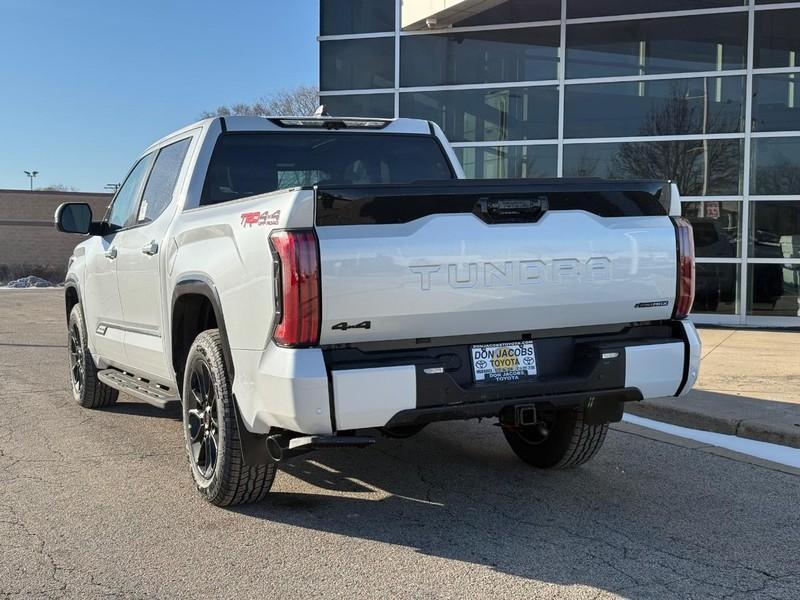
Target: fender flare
[(201, 284), (254, 445), (72, 283)]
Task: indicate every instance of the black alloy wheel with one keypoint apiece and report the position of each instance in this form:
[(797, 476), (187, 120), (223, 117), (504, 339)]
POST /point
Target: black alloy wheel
[(77, 364), (202, 418)]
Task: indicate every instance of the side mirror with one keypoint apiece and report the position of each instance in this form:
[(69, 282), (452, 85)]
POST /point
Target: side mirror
[(76, 217)]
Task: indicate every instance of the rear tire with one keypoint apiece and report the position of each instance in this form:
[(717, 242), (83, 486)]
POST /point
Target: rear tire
[(212, 438), (570, 443), (87, 389)]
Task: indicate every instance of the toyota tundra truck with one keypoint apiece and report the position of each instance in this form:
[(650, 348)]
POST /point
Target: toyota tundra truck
[(302, 283)]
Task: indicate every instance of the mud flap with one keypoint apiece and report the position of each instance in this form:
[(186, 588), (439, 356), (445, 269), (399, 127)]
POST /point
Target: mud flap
[(602, 409), (254, 445)]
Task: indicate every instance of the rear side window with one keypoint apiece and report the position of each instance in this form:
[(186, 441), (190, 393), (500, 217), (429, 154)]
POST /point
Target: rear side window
[(246, 164), (161, 183), (125, 202)]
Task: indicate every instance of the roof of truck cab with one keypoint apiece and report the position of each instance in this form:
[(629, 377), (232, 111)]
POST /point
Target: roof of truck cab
[(256, 123)]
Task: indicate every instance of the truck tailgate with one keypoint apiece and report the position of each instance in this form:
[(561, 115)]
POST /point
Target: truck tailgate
[(402, 262)]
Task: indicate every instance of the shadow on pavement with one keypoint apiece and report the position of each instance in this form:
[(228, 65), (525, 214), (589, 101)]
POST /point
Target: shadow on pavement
[(657, 528)]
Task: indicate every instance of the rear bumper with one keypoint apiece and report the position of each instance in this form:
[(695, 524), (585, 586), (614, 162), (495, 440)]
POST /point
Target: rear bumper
[(322, 391)]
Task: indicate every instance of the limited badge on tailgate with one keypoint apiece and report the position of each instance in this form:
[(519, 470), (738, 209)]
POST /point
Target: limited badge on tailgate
[(510, 361)]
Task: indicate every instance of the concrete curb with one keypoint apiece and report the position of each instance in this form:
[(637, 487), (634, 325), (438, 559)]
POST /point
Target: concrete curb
[(785, 434)]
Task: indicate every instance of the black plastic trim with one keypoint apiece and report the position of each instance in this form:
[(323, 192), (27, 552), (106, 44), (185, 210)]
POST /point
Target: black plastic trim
[(223, 125), (687, 359), (423, 416), (198, 283), (403, 203)]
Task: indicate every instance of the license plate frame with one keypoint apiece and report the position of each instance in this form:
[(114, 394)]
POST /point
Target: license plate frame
[(491, 363)]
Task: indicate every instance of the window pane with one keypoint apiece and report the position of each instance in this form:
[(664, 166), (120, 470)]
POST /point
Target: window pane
[(699, 43), (246, 164), (683, 162), (776, 42), (356, 64), (599, 8), (716, 227), (776, 103), (776, 166), (488, 115), (715, 289), (508, 161), (161, 183), (666, 107), (124, 204), (360, 105), (356, 16), (775, 229), (774, 290), (479, 56)]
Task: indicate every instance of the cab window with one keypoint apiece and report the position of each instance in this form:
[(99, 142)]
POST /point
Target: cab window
[(125, 202)]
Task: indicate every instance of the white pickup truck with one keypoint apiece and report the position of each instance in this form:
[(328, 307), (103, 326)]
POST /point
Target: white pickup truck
[(299, 282)]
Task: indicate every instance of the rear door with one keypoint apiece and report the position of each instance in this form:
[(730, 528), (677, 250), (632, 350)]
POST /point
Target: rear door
[(101, 299), (141, 260), (475, 257)]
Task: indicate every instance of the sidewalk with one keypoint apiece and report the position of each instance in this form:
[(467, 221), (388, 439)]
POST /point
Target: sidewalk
[(749, 386)]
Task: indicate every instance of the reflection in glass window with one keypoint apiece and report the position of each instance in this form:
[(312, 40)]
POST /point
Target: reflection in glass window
[(684, 162), (776, 41), (664, 107), (501, 162), (774, 290), (360, 105), (123, 207), (355, 16), (479, 56), (715, 226), (775, 229), (776, 166), (715, 288), (697, 43), (356, 64), (514, 11), (161, 182), (488, 115), (776, 102), (596, 8)]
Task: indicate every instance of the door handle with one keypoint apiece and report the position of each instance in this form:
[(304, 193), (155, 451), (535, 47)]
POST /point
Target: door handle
[(111, 253), (151, 248)]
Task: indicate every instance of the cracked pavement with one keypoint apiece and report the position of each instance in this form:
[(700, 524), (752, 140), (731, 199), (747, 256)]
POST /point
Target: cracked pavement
[(100, 504)]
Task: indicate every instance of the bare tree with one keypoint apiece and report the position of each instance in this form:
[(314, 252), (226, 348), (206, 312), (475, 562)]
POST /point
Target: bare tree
[(697, 166), (58, 187), (300, 101)]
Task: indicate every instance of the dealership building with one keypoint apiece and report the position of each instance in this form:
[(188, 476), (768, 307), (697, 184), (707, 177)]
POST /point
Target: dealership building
[(702, 92)]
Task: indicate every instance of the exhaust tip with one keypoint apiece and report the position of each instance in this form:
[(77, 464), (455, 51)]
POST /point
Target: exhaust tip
[(274, 448)]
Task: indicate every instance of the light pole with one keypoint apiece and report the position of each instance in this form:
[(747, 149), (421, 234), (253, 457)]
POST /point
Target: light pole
[(112, 187), (31, 175)]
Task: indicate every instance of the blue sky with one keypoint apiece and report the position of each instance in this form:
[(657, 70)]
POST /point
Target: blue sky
[(86, 85)]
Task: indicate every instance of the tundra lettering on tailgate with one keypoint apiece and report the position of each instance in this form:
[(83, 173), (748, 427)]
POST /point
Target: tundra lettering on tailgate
[(512, 272)]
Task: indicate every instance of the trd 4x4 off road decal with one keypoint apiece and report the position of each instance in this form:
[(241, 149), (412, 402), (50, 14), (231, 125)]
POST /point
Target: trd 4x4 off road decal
[(260, 218)]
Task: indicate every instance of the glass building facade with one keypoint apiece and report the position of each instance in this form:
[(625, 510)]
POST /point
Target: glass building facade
[(703, 92)]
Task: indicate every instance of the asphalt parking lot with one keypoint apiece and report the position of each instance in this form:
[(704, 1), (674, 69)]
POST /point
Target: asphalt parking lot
[(99, 503)]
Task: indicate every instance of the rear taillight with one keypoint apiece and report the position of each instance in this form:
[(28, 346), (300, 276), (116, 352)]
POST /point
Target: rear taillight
[(684, 297), (296, 256)]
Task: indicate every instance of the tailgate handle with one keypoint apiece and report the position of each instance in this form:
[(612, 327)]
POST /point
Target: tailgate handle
[(513, 208)]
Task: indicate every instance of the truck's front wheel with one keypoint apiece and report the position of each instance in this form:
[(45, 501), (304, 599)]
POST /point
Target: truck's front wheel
[(570, 441), (212, 439), (87, 389)]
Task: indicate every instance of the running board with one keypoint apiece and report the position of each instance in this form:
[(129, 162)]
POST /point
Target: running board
[(138, 387)]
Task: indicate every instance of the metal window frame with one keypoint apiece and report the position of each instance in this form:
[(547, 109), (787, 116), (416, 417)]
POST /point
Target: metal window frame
[(561, 82)]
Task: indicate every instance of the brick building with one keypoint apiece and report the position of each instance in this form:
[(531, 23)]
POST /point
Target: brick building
[(29, 242)]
